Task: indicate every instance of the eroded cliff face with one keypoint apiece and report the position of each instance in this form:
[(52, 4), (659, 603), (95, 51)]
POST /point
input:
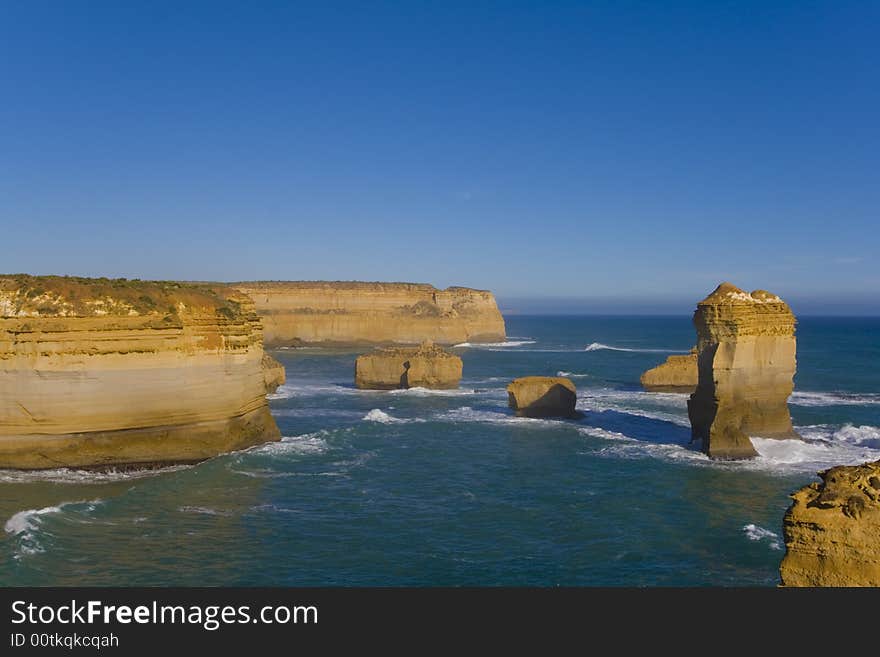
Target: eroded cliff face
[(427, 366), (746, 364), (350, 313), (832, 530), (98, 372), (677, 374)]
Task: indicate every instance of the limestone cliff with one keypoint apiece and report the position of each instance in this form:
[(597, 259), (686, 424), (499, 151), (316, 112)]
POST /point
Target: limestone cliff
[(350, 313), (677, 374), (427, 366), (746, 364), (832, 530), (98, 372), (542, 396)]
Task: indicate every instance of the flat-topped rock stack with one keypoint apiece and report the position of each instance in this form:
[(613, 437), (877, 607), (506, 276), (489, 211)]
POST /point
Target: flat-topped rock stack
[(832, 530), (746, 363), (677, 374), (426, 366), (542, 396), (100, 372)]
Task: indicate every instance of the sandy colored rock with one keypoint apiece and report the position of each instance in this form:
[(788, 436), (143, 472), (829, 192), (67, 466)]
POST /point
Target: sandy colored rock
[(274, 374), (832, 530), (427, 366), (542, 396), (746, 364), (354, 313), (98, 372), (677, 374)]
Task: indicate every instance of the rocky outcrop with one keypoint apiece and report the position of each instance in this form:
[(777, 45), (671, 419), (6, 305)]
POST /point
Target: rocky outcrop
[(274, 374), (542, 396), (832, 530), (746, 364), (427, 366), (352, 313), (677, 374), (98, 372)]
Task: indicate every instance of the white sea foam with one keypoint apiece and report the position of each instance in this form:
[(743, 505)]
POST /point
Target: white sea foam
[(665, 406), (507, 344), (378, 415), (469, 414), (289, 390), (598, 346), (305, 444), (26, 526), (803, 398), (823, 447), (418, 391), (65, 476), (204, 510), (756, 533), (571, 375)]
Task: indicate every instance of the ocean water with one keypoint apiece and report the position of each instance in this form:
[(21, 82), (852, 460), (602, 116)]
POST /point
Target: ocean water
[(449, 488)]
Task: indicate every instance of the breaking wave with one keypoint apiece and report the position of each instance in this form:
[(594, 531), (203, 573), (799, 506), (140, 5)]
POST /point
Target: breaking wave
[(799, 398), (496, 345), (26, 527), (380, 416), (598, 346), (756, 533), (307, 443)]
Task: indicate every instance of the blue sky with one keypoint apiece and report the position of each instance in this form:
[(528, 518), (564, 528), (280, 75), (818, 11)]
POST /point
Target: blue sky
[(632, 153)]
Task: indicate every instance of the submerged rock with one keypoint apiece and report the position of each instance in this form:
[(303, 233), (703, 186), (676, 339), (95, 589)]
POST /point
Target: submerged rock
[(746, 364), (273, 373), (427, 366), (677, 374), (832, 530), (542, 396)]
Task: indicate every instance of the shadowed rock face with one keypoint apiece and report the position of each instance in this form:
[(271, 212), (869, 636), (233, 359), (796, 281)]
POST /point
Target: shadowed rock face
[(677, 374), (98, 372), (746, 364), (274, 373), (832, 530), (427, 366), (542, 396), (353, 313)]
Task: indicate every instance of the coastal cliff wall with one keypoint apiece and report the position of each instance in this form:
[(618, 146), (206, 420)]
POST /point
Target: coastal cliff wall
[(348, 313), (98, 372), (832, 530), (746, 363)]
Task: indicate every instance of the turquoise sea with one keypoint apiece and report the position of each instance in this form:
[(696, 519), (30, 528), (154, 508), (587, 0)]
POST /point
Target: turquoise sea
[(449, 488)]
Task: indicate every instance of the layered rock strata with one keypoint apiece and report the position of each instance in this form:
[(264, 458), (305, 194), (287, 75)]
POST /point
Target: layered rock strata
[(746, 364), (353, 313), (98, 372), (427, 366), (542, 396), (677, 374), (832, 530)]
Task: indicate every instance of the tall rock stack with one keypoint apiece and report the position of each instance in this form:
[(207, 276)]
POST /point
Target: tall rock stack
[(746, 364)]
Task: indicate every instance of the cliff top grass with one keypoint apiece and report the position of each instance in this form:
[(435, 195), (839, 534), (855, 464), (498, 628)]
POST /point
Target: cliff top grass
[(24, 295), (357, 285)]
